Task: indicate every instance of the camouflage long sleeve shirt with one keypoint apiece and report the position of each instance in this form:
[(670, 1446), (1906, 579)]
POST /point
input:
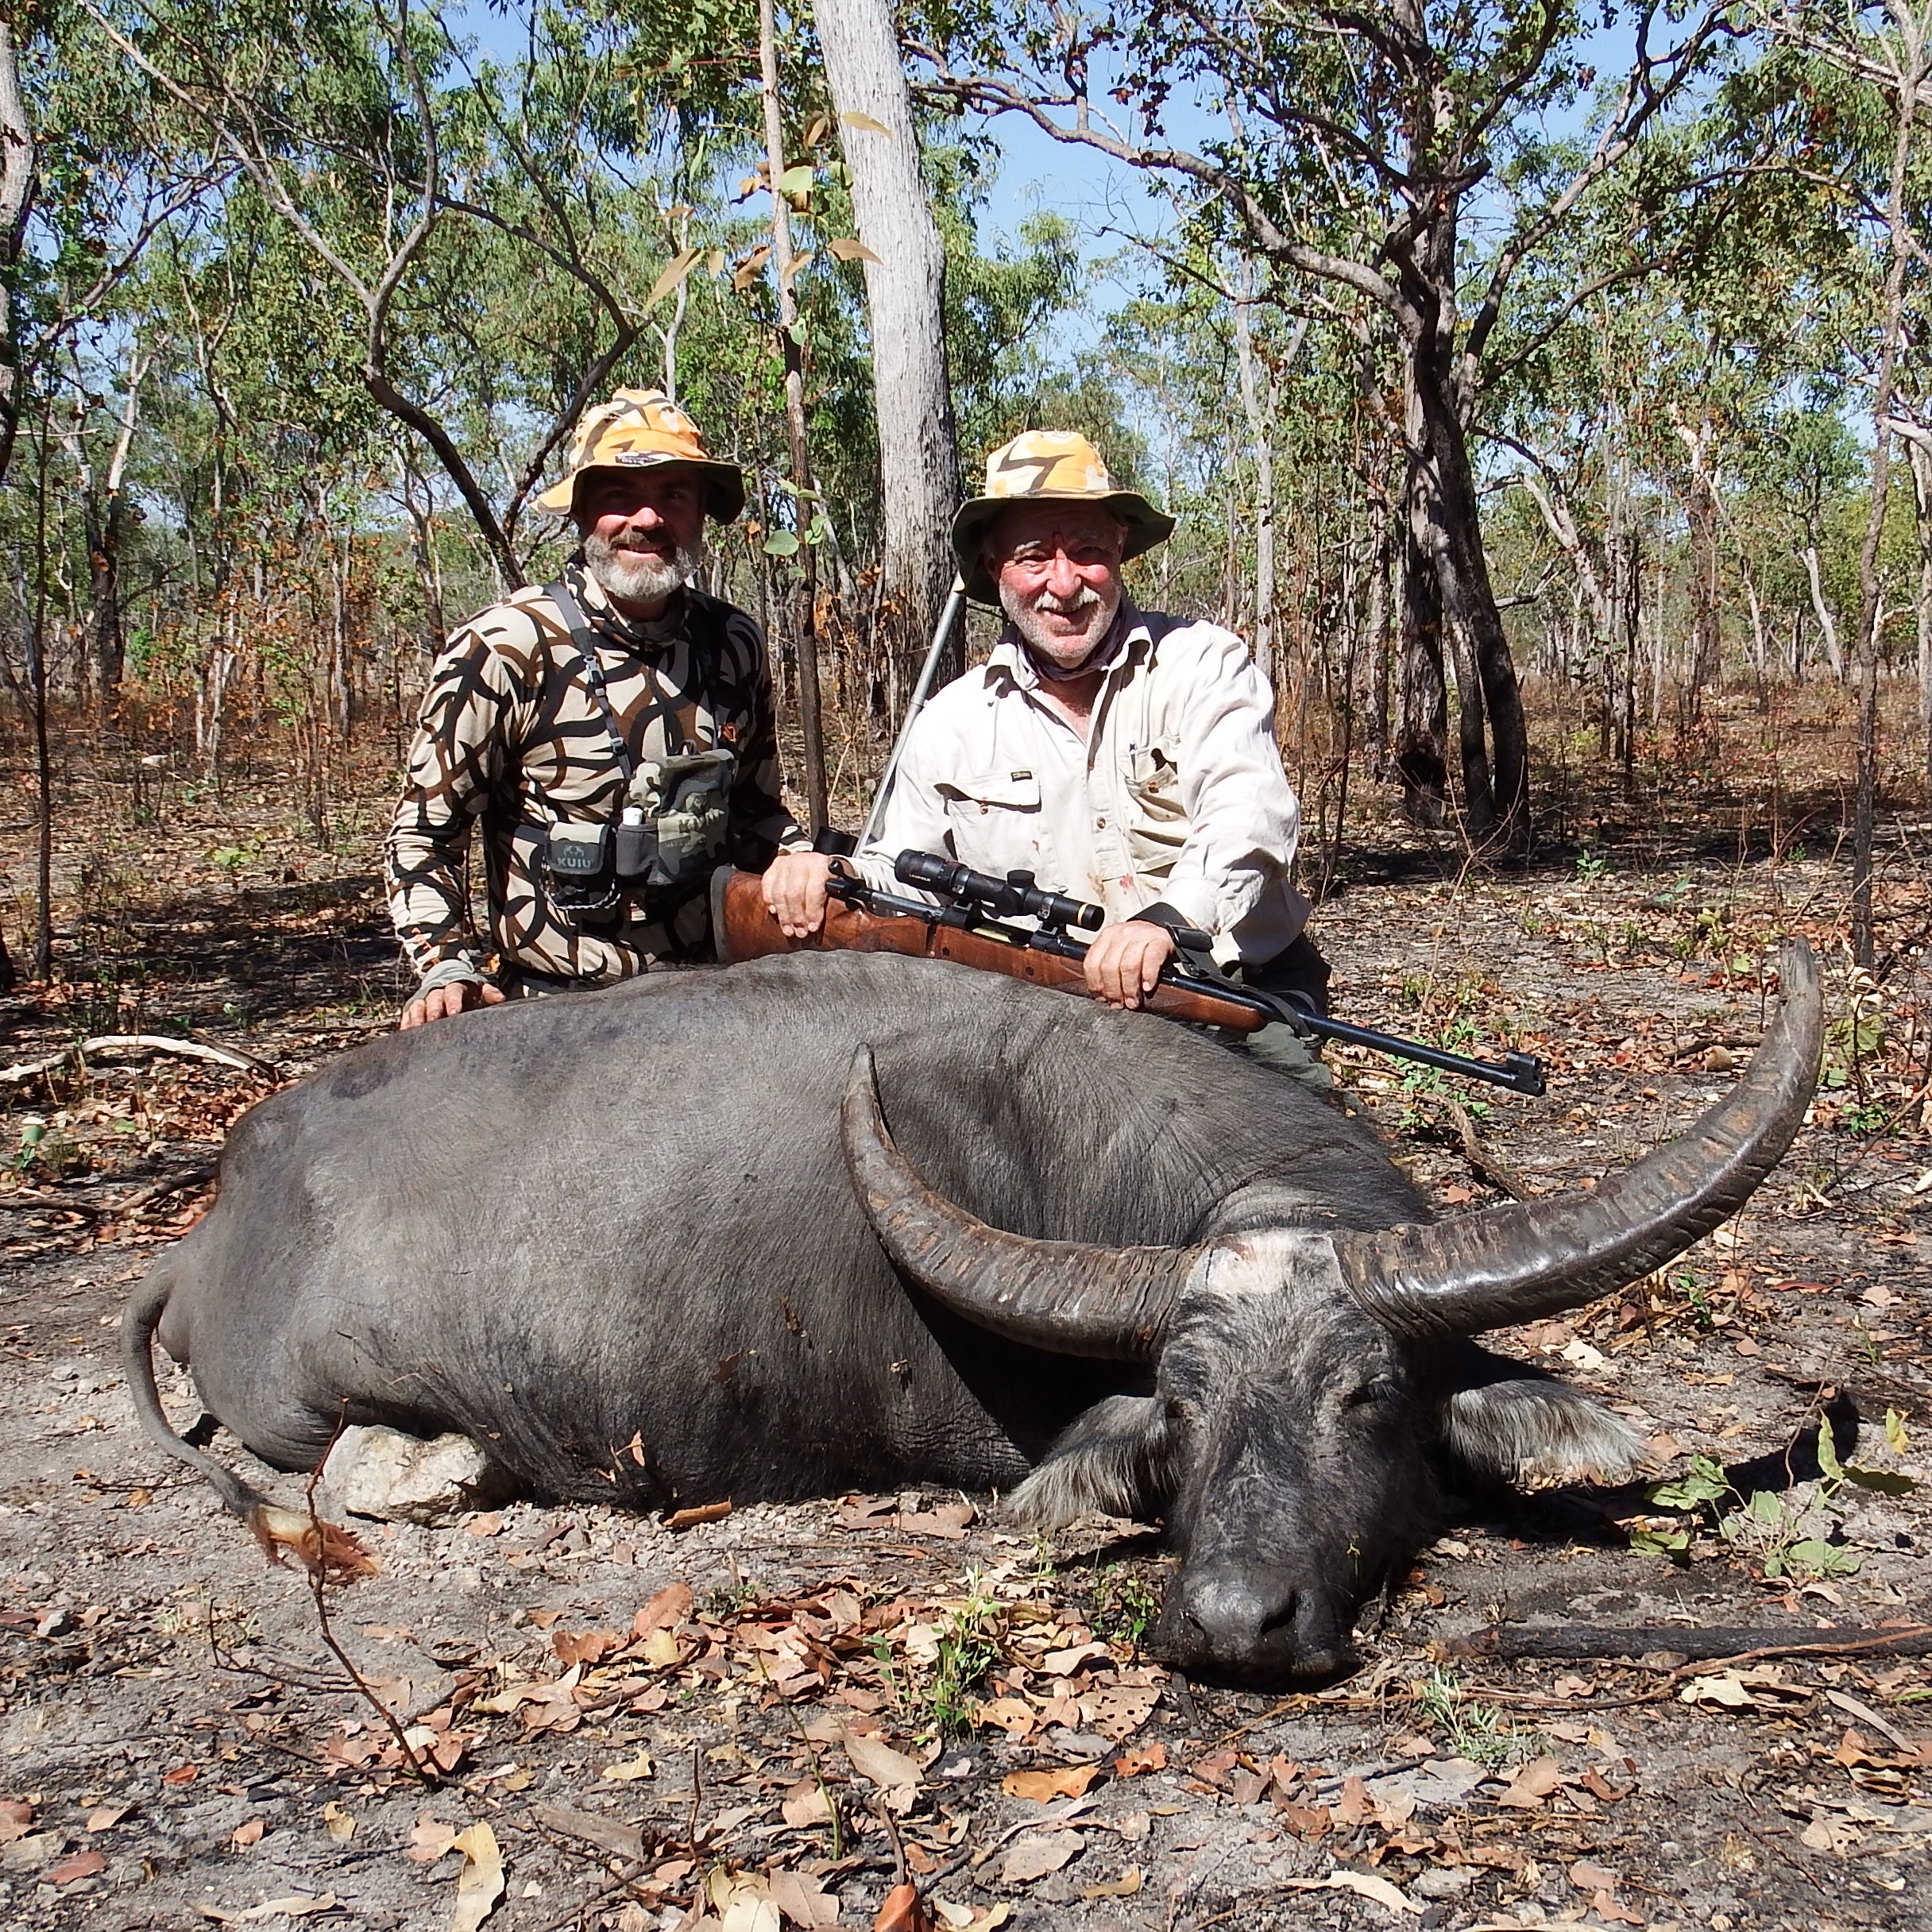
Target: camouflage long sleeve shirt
[(511, 735)]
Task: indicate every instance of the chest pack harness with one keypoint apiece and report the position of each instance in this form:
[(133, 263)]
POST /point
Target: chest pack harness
[(671, 825)]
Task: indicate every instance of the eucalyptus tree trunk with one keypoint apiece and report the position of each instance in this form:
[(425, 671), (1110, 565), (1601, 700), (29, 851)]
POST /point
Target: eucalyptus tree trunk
[(1918, 453), (1261, 439), (905, 289), (17, 182), (785, 268), (1912, 47)]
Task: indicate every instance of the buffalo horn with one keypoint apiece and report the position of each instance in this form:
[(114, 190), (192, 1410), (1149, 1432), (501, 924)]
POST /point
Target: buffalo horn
[(1535, 1258), (1065, 1297)]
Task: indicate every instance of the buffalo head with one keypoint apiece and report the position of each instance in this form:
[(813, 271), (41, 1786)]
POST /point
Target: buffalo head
[(1307, 1383)]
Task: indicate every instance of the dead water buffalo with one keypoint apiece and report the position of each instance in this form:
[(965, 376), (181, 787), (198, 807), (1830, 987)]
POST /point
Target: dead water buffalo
[(1097, 1261)]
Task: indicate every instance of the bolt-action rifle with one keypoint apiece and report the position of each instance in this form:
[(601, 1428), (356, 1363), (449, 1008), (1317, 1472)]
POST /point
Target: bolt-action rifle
[(970, 920)]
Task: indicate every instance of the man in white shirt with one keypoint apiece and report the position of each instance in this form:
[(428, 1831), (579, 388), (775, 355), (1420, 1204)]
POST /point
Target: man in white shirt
[(1121, 756)]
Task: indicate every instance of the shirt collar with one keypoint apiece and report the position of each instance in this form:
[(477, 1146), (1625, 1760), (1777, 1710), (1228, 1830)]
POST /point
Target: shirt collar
[(1128, 633)]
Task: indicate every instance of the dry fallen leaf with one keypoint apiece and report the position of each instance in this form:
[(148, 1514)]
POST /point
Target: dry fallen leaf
[(671, 1605), (1124, 1887), (742, 1901), (891, 1770), (804, 1901), (704, 1512), (16, 1819), (1040, 1786), (904, 1910), (804, 1804), (430, 1839), (479, 1885), (244, 1835), (1036, 1853), (1146, 1757), (340, 1827), (1533, 1783), (82, 1864), (104, 1818), (1019, 1720), (630, 1770), (1364, 1884), (297, 1905), (969, 1918)]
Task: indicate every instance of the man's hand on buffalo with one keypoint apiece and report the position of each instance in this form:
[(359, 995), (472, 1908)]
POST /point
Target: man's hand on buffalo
[(442, 1001), (1123, 963), (795, 892)]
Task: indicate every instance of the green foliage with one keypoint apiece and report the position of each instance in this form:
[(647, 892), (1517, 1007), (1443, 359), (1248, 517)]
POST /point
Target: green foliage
[(1470, 1728), (1124, 1607), (968, 1648), (1851, 1040), (1791, 1533)]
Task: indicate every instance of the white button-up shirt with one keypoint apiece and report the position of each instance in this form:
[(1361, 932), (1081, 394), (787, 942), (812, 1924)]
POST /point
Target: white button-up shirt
[(1177, 794)]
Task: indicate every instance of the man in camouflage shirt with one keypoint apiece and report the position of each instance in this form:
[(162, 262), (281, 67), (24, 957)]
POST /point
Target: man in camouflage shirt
[(514, 732)]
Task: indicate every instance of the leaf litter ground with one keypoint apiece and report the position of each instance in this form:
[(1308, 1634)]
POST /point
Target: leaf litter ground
[(897, 1709)]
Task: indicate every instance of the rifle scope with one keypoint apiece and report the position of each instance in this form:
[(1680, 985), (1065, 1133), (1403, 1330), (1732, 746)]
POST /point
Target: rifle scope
[(1014, 897)]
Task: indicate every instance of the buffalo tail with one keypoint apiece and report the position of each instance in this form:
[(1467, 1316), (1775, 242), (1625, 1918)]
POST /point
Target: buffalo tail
[(318, 1546), (144, 1310)]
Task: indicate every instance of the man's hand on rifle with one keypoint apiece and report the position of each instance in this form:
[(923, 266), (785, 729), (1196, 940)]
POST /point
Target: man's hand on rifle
[(1123, 964), (795, 892)]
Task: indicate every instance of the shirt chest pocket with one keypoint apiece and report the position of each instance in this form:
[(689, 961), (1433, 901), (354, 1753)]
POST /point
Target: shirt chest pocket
[(995, 820), (1159, 827)]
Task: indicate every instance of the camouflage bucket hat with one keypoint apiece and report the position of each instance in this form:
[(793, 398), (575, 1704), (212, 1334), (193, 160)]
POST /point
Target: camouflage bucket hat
[(642, 429), (1047, 465)]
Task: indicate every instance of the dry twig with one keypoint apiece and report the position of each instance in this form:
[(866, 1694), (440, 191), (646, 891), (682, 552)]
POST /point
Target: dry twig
[(136, 1043)]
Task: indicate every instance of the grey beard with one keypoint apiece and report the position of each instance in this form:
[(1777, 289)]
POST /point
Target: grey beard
[(1061, 654), (639, 576)]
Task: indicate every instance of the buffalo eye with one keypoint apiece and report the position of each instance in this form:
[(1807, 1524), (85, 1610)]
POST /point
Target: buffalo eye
[(1177, 1412), (1370, 1393)]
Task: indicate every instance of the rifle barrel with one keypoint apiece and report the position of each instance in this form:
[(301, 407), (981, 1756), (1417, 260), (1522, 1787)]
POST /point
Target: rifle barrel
[(1516, 1072)]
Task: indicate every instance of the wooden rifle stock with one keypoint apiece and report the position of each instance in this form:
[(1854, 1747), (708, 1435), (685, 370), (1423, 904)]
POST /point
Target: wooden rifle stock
[(745, 930)]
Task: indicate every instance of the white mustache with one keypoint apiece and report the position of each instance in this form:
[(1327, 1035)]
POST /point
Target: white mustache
[(1085, 598)]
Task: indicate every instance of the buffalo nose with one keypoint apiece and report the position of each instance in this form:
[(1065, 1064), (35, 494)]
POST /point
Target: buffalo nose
[(1250, 1625)]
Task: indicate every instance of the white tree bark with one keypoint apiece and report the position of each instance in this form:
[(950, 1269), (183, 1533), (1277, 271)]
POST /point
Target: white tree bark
[(1260, 412), (17, 180), (905, 285)]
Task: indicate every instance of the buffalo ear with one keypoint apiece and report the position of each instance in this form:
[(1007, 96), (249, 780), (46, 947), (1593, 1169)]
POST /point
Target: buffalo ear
[(1112, 1462), (1534, 1431)]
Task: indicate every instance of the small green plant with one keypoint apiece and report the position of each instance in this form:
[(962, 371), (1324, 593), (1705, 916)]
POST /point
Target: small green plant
[(1852, 1042), (1476, 1731), (1591, 867), (47, 1148), (730, 1600), (1789, 1534), (1124, 1608), (235, 859), (1044, 1569), (1869, 1119), (968, 1648), (1425, 1089), (1692, 1290)]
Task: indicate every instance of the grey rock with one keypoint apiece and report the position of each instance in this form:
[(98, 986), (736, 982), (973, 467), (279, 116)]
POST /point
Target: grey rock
[(382, 1473)]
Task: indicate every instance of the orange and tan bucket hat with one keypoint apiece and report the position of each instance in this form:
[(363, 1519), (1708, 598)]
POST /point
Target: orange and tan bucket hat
[(641, 429), (1047, 465)]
